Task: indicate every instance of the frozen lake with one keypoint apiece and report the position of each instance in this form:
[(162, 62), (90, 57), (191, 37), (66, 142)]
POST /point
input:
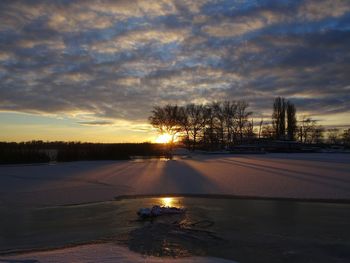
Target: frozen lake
[(234, 229), (47, 206), (314, 176)]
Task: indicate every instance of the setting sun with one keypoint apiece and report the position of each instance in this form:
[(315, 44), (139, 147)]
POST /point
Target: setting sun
[(164, 138)]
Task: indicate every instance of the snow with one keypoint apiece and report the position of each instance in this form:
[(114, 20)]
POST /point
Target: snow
[(102, 253), (321, 176)]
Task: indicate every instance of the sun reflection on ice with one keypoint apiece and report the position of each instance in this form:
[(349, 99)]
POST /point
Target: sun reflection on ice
[(172, 202), (167, 201)]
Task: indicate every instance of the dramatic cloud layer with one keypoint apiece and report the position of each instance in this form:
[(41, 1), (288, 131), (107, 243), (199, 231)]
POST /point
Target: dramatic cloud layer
[(115, 60)]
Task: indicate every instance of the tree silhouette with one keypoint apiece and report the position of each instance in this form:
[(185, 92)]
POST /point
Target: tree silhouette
[(333, 136), (309, 131), (214, 125), (242, 118), (166, 120), (291, 121), (197, 121), (278, 117), (346, 137)]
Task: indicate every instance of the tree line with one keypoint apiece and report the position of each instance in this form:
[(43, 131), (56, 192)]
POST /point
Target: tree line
[(285, 126), (215, 125), (221, 125), (43, 152)]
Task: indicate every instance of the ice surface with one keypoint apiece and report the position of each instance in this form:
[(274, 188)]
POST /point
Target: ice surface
[(322, 175)]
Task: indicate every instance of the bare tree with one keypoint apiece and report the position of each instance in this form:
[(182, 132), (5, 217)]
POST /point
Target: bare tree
[(346, 137), (219, 121), (291, 121), (229, 115), (196, 120), (279, 117), (210, 137), (268, 132), (242, 118), (309, 131), (249, 130), (260, 127), (216, 124), (333, 136), (184, 122), (306, 125), (166, 120), (318, 134)]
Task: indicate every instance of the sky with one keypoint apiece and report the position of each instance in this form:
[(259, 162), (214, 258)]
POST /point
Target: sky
[(93, 70)]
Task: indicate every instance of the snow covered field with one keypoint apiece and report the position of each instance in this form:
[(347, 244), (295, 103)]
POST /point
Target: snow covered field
[(325, 176)]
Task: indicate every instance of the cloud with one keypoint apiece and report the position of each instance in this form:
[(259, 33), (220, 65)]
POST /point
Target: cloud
[(57, 44), (75, 22), (241, 25), (115, 60), (321, 9), (5, 56), (95, 123), (139, 38), (125, 9), (233, 28)]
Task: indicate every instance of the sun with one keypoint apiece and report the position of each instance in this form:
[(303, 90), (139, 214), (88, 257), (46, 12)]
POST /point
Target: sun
[(164, 138)]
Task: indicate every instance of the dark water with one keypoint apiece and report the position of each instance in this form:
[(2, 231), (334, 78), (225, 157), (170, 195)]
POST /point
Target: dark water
[(238, 229)]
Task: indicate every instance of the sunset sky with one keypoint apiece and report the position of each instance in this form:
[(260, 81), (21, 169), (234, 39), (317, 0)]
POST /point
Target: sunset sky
[(93, 70)]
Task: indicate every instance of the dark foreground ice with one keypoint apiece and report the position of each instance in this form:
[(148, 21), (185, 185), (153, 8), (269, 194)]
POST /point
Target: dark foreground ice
[(245, 230)]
